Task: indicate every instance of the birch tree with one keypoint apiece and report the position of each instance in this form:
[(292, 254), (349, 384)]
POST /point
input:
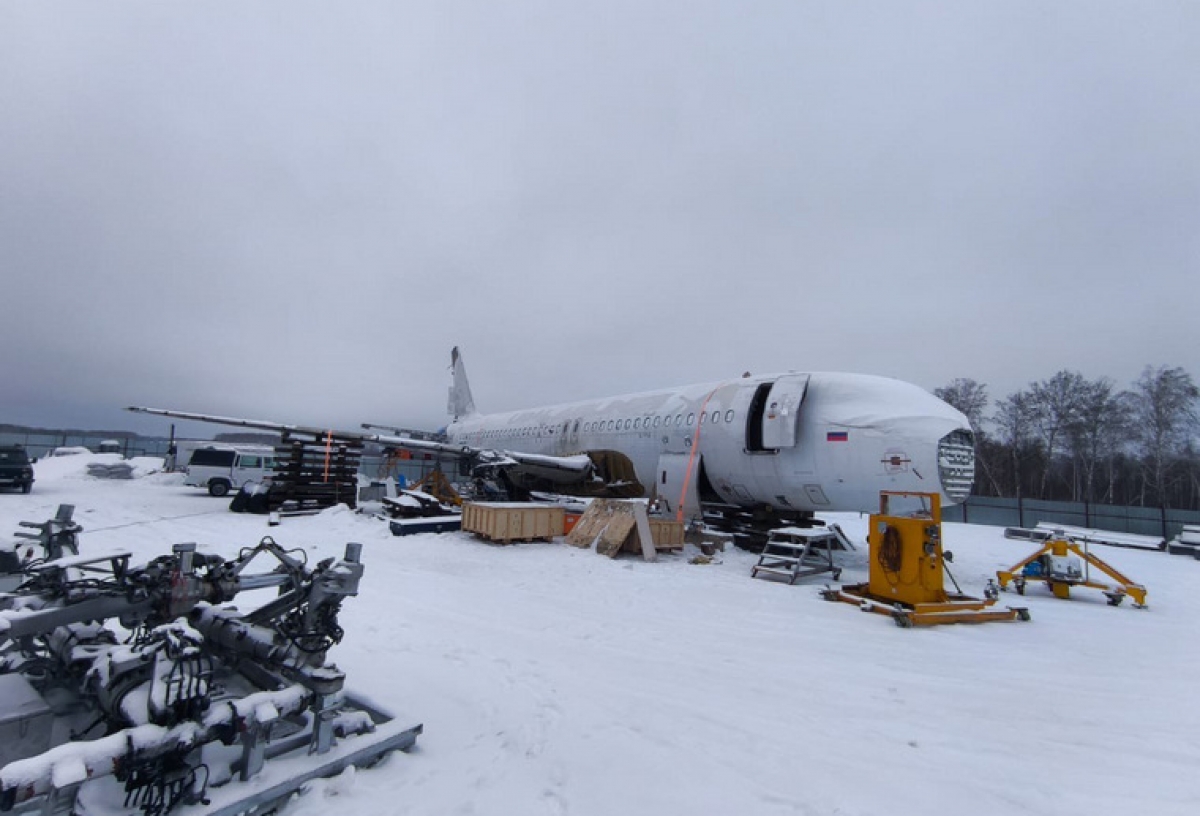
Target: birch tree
[(1055, 403), (1164, 420)]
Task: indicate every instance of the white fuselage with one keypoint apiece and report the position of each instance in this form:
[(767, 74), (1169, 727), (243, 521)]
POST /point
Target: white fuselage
[(803, 442)]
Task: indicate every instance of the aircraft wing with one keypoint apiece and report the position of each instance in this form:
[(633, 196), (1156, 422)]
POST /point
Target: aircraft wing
[(556, 468)]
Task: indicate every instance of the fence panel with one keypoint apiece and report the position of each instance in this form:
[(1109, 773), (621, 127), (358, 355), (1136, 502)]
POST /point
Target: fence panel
[(1149, 521)]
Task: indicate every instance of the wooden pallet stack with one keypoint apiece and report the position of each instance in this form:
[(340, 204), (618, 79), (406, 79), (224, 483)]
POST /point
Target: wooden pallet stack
[(314, 471)]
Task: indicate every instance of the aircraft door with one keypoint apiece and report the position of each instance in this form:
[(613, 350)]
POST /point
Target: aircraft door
[(669, 486), (781, 413)]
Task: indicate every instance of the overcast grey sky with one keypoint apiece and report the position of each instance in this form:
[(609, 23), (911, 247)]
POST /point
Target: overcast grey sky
[(293, 210)]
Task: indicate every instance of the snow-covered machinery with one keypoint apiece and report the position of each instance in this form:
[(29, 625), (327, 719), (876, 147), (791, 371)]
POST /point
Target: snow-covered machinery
[(1062, 563), (138, 688)]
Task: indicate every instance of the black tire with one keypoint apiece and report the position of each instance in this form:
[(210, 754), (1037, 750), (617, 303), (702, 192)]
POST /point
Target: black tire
[(25, 488), (219, 488)]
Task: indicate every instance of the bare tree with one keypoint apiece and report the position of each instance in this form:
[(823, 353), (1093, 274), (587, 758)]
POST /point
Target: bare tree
[(1055, 404), (1098, 432), (1164, 419), (968, 396), (1014, 421)]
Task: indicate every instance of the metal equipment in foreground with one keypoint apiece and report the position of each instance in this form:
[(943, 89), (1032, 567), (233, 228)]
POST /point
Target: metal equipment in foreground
[(57, 535), (1062, 563), (907, 569), (195, 701)]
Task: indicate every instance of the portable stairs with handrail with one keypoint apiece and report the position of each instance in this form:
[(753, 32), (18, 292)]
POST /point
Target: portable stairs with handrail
[(798, 552)]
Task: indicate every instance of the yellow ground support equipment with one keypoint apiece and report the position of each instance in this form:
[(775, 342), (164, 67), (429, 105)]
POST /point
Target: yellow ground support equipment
[(437, 485), (1062, 563), (907, 570)]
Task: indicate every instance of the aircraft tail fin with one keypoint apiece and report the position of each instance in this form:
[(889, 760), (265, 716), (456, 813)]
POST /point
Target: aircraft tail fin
[(461, 402)]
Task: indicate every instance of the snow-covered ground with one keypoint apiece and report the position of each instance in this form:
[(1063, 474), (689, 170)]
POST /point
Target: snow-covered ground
[(552, 680)]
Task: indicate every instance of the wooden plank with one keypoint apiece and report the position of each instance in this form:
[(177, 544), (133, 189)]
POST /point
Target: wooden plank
[(591, 524), (612, 539), (608, 525), (642, 523)]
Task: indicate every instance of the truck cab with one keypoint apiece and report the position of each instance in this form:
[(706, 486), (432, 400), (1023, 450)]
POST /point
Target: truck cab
[(15, 468)]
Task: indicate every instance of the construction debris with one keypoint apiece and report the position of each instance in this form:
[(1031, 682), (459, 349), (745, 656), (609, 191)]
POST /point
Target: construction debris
[(110, 470), (1187, 542)]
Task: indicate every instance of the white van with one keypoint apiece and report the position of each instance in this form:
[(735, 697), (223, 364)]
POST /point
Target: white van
[(221, 469)]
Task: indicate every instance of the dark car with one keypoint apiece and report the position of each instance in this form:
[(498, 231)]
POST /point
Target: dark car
[(15, 468)]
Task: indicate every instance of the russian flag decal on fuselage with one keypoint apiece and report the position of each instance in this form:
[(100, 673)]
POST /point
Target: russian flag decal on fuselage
[(837, 436)]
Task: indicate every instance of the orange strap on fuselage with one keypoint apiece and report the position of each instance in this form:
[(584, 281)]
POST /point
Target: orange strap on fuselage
[(328, 445), (687, 475)]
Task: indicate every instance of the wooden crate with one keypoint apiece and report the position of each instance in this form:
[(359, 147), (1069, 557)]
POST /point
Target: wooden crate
[(667, 535), (504, 522)]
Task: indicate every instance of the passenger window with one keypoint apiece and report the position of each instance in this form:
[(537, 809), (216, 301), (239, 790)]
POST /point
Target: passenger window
[(637, 423), (691, 418), (656, 419), (716, 416), (678, 420), (729, 415), (250, 461)]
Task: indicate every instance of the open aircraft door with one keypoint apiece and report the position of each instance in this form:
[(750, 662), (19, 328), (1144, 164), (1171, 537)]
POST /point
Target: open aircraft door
[(674, 489), (781, 412)]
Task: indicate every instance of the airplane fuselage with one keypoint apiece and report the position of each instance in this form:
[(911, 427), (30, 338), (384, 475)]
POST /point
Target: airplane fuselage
[(793, 442)]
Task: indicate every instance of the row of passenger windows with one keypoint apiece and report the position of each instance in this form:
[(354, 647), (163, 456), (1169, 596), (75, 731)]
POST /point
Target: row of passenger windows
[(626, 424), (650, 423)]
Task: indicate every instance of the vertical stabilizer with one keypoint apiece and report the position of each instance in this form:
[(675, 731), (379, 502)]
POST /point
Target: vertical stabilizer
[(461, 402)]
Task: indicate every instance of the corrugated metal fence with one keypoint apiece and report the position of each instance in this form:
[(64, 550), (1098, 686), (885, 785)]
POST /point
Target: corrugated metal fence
[(1151, 521)]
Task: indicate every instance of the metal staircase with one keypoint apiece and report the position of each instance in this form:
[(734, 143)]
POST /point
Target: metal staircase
[(793, 553)]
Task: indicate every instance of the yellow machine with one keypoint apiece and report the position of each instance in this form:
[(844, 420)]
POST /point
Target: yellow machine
[(1062, 564), (437, 485), (907, 571)]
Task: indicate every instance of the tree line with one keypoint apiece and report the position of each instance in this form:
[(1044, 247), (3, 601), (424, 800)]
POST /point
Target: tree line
[(1068, 438)]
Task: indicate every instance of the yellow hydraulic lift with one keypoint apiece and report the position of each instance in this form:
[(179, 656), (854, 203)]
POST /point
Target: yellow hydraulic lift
[(907, 570), (1062, 564)]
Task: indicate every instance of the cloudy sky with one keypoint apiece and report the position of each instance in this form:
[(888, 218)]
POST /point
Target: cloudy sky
[(293, 210)]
